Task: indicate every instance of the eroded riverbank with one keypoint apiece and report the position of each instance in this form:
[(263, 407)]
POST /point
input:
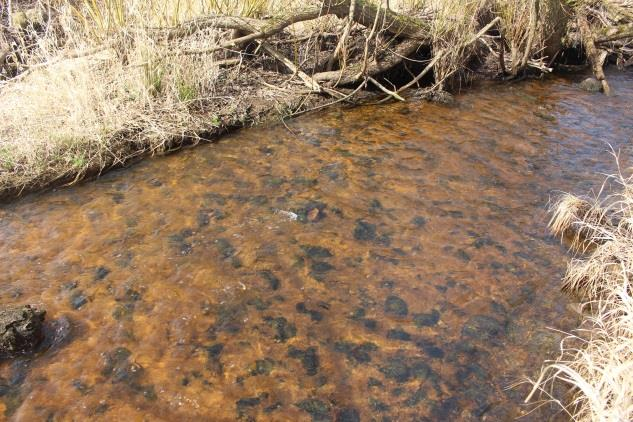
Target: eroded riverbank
[(416, 280)]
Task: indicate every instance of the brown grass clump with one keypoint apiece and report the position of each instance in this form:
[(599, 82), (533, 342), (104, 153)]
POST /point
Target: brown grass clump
[(578, 221), (597, 362)]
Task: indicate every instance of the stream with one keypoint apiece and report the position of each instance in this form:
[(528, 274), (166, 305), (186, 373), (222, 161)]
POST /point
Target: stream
[(381, 263)]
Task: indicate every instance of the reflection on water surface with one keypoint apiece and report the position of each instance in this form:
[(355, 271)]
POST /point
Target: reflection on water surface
[(382, 263)]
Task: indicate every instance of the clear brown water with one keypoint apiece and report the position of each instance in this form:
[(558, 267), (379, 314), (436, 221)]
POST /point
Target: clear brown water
[(416, 284)]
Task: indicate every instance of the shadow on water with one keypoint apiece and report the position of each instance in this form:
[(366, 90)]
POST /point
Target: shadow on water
[(380, 263)]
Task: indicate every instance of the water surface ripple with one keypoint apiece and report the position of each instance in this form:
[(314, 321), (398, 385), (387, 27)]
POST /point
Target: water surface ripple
[(379, 264)]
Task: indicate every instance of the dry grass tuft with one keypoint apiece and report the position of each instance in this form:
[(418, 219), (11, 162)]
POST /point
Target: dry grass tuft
[(597, 363), (578, 221)]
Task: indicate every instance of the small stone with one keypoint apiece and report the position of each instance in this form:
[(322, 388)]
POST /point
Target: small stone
[(430, 349), (20, 329), (263, 367), (396, 369), (271, 279), (78, 299), (101, 273), (591, 85), (309, 359), (426, 320), (396, 306), (419, 221), (364, 231), (398, 334), (347, 414), (316, 252), (318, 409), (483, 327), (285, 330)]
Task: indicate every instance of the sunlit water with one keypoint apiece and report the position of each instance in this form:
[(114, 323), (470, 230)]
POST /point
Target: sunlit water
[(383, 263)]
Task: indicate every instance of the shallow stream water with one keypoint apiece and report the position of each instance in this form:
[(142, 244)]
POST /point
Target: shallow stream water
[(383, 263)]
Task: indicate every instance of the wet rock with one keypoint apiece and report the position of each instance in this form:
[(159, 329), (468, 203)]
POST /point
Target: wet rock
[(309, 359), (375, 206), (334, 171), (101, 273), (415, 398), (316, 252), (318, 409), (20, 329), (396, 369), (81, 387), (229, 319), (71, 285), (426, 320), (262, 367), (245, 403), (273, 407), (312, 212), (284, 329), (483, 327), (374, 382), (446, 410), (396, 306), (462, 255), (119, 369), (214, 353), (319, 270), (400, 370), (370, 324), (271, 279), (430, 348), (591, 85), (398, 334), (78, 299), (224, 248), (359, 353), (347, 414), (364, 231), (377, 405), (314, 314)]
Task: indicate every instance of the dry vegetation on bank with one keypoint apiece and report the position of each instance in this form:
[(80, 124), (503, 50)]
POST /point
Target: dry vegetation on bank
[(597, 362), (90, 84)]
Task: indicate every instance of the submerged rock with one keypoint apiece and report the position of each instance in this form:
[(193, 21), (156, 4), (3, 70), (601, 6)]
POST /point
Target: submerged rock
[(591, 85), (483, 327), (396, 306), (348, 414), (309, 359), (20, 329), (426, 320), (364, 231), (318, 409)]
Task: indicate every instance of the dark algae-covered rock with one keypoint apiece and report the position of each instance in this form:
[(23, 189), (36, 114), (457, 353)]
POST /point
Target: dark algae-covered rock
[(316, 252), (318, 409), (309, 359), (483, 327), (270, 278), (364, 231), (396, 306), (427, 320), (398, 334), (21, 329), (347, 414), (284, 329)]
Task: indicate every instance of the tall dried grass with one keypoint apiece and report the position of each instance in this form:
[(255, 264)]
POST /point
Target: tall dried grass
[(597, 362), (74, 115)]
